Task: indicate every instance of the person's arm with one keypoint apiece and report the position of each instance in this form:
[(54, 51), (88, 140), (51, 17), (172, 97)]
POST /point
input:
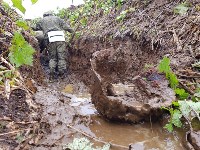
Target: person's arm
[(65, 26), (38, 26)]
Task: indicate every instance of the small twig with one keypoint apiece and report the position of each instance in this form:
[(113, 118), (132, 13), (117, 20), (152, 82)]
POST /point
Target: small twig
[(176, 39), (185, 76), (186, 88), (151, 124), (7, 64), (115, 145), (7, 88), (12, 132), (5, 119), (26, 123), (189, 122)]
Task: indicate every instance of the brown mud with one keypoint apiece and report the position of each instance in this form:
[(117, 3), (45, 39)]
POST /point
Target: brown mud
[(108, 56), (68, 110)]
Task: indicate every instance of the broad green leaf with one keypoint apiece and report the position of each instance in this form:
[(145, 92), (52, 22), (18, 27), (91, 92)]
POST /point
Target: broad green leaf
[(21, 53), (182, 94), (195, 106), (18, 5), (18, 40), (164, 65), (176, 118), (169, 127), (34, 1), (184, 108), (22, 24)]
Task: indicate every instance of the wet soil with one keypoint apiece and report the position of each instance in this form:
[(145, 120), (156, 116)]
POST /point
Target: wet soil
[(120, 55), (68, 110)]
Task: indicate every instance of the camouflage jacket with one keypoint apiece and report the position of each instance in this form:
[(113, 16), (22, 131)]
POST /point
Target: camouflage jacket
[(52, 23)]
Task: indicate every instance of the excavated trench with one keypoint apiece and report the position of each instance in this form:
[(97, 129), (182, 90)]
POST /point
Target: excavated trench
[(106, 90), (108, 87), (106, 82)]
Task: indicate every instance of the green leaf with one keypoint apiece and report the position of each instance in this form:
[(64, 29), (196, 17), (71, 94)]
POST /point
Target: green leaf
[(22, 24), (182, 94), (172, 80), (175, 103), (83, 21), (34, 1), (197, 94), (164, 65), (184, 108), (21, 53), (195, 106), (176, 118), (18, 5), (181, 9), (169, 127), (8, 74), (18, 40)]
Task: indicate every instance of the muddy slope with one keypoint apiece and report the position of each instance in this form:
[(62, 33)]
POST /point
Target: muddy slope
[(145, 35)]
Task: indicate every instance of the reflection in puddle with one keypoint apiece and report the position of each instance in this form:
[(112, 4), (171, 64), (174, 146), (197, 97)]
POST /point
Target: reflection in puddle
[(141, 136), (83, 102)]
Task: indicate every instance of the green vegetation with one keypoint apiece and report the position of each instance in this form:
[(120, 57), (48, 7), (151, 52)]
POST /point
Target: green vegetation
[(164, 67), (18, 4), (21, 53), (81, 16), (23, 24), (182, 8), (183, 107), (84, 144)]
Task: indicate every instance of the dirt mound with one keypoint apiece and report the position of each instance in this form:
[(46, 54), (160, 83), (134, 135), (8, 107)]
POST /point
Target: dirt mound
[(142, 99)]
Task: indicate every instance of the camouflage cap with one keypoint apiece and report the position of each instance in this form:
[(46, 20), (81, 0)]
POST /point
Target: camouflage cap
[(48, 13)]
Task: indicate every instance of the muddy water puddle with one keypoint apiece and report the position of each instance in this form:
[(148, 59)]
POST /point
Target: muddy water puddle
[(141, 136), (64, 102)]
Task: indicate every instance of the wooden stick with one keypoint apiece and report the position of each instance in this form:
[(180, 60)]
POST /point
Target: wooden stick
[(186, 88), (12, 132), (115, 145), (5, 119), (185, 76)]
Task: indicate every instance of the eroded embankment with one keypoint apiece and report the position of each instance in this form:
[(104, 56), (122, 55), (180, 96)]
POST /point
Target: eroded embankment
[(110, 52), (119, 50)]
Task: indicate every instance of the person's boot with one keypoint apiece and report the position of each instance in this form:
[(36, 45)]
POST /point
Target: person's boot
[(61, 74), (51, 76)]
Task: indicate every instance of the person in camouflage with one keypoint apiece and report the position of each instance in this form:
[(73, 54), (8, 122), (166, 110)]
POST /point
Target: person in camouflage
[(56, 49)]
